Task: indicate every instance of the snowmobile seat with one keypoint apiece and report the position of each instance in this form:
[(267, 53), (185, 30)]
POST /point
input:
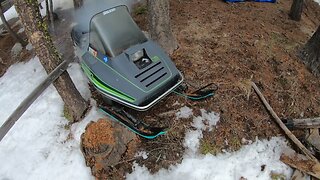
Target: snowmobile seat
[(113, 31)]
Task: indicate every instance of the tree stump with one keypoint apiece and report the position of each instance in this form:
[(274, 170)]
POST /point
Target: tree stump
[(310, 54), (296, 10), (159, 25), (103, 144)]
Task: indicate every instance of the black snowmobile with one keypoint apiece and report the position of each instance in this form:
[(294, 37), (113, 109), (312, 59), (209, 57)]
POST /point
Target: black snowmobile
[(125, 66)]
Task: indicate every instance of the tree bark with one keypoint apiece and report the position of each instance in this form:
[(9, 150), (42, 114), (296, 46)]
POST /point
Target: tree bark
[(51, 16), (12, 33), (296, 10), (37, 32), (310, 54), (48, 12), (159, 25), (77, 4)]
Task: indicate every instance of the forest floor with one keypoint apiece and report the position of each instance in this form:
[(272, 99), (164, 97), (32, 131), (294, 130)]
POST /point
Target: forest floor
[(226, 44), (229, 44)]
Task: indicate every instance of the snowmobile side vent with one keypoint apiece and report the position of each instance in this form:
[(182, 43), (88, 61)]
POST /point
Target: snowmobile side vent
[(152, 74), (156, 79), (147, 70)]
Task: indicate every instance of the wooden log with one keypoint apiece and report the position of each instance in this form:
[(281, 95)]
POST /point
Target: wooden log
[(298, 175), (314, 138), (296, 10), (282, 125), (301, 163), (306, 123), (25, 104)]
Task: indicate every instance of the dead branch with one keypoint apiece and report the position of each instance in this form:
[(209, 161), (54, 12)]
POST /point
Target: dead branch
[(301, 163), (282, 125)]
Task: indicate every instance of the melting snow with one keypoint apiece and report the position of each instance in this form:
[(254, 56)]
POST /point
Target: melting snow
[(184, 112), (142, 154), (40, 145), (246, 163), (16, 49)]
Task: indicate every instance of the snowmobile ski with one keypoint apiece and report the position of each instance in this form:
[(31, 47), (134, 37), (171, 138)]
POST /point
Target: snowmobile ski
[(202, 93), (133, 124)]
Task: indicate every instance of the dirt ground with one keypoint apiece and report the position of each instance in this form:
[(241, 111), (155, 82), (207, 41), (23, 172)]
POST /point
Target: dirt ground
[(6, 44), (227, 44)]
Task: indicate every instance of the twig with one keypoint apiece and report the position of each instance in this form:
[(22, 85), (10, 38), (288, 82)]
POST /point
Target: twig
[(124, 161), (282, 125)]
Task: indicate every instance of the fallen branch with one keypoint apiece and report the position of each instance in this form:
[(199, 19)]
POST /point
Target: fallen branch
[(298, 175), (282, 125), (314, 138), (302, 163), (305, 123)]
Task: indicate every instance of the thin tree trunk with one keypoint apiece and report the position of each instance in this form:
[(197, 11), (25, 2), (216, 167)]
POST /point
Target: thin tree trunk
[(40, 39), (310, 54), (296, 10), (12, 33), (51, 16), (77, 4), (159, 24), (48, 12)]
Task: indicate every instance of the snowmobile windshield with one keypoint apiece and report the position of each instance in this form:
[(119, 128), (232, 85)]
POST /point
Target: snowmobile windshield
[(113, 31)]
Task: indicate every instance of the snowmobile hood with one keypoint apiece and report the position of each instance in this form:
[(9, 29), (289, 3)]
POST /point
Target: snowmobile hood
[(122, 63), (140, 83)]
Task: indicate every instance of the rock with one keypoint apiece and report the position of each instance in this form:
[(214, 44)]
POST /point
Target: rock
[(29, 47), (16, 49), (103, 144)]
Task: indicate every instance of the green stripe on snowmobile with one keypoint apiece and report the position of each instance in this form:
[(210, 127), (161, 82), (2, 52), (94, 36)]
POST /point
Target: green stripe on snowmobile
[(99, 83)]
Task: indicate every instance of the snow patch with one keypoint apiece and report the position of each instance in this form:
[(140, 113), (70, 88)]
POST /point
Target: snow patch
[(21, 30), (246, 163), (10, 14), (211, 117), (184, 112), (201, 123), (80, 80), (16, 49), (29, 47), (41, 145), (142, 154)]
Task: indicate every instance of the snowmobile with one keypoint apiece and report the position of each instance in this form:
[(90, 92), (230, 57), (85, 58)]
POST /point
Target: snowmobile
[(126, 67)]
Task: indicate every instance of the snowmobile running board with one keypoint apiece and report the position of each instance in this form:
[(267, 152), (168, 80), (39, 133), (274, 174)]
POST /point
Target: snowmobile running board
[(139, 127), (133, 124)]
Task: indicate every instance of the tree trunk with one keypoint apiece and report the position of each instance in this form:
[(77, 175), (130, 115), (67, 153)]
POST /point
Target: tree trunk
[(159, 25), (296, 10), (37, 32), (12, 33), (48, 12), (51, 16), (77, 3), (311, 53)]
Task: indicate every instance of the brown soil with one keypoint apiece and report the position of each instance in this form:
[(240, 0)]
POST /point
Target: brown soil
[(230, 44), (6, 44), (227, 44), (98, 133)]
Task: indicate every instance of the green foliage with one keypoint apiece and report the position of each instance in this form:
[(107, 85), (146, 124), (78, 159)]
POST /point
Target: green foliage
[(275, 176), (66, 114), (235, 143), (207, 147), (141, 10)]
